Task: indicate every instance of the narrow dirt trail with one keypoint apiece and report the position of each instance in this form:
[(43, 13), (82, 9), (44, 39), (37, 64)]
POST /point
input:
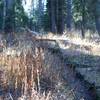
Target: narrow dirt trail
[(78, 86)]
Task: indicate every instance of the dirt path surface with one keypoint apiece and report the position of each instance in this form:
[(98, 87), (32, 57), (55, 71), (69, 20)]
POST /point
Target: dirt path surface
[(79, 86)]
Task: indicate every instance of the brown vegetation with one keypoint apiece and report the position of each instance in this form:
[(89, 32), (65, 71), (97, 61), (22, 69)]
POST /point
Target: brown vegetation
[(31, 73)]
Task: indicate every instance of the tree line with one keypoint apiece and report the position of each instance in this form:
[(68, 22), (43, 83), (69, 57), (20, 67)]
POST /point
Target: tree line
[(54, 16)]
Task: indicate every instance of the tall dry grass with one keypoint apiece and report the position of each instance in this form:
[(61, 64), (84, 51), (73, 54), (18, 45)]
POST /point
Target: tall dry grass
[(31, 73)]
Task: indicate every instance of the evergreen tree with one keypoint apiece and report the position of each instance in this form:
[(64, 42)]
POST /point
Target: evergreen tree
[(57, 15), (55, 10)]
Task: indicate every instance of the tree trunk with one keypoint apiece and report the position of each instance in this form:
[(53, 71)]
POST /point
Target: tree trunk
[(40, 8), (56, 12), (10, 4), (53, 22), (97, 16), (83, 18), (83, 25), (60, 25), (69, 14), (97, 23), (9, 21), (4, 15)]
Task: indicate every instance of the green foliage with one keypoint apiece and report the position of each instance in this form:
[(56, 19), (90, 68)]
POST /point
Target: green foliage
[(46, 22), (85, 15), (21, 19), (15, 16), (89, 9)]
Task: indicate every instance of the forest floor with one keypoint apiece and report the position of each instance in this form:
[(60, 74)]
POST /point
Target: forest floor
[(83, 54), (55, 75)]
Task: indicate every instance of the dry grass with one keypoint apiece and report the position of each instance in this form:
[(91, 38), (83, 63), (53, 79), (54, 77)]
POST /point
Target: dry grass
[(73, 41), (33, 72)]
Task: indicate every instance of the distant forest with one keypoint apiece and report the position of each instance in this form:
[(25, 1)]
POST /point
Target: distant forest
[(55, 16)]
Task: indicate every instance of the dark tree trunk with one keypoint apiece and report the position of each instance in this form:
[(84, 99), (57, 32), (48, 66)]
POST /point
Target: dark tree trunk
[(10, 4), (97, 23), (83, 25), (9, 21), (69, 14), (60, 23), (56, 15), (40, 14), (56, 12), (97, 16), (83, 18), (53, 22), (4, 15)]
